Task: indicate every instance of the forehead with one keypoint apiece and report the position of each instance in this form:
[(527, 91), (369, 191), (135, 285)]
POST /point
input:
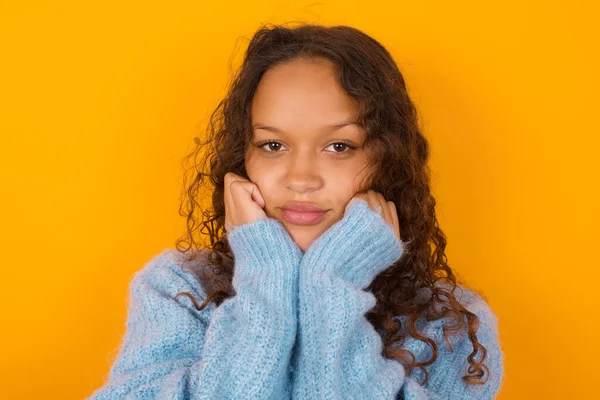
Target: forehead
[(301, 94)]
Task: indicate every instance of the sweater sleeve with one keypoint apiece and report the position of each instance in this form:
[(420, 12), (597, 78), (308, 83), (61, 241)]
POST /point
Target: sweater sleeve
[(339, 352), (238, 350)]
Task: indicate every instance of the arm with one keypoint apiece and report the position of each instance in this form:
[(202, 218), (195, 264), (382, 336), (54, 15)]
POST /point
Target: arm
[(239, 349), (339, 355)]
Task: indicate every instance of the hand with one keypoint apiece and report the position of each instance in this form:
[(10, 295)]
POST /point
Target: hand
[(358, 247), (387, 209), (243, 202)]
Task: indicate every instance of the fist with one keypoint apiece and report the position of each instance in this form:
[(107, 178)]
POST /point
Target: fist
[(243, 202), (387, 209)]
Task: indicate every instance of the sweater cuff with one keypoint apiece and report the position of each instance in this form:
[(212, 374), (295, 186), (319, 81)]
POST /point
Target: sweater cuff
[(263, 248), (357, 248)]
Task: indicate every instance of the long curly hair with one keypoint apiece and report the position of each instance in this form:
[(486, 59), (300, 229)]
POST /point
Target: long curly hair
[(398, 154)]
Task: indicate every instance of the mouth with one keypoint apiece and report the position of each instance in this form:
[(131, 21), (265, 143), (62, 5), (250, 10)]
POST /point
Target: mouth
[(303, 217)]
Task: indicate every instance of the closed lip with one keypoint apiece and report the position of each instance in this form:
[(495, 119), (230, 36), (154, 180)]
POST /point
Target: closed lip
[(299, 206)]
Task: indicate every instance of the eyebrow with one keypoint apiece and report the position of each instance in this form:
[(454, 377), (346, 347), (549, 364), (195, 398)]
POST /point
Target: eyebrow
[(276, 130)]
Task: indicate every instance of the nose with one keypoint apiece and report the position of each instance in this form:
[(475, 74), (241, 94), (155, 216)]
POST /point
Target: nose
[(303, 173)]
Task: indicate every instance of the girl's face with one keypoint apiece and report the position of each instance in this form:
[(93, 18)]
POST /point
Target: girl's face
[(301, 107)]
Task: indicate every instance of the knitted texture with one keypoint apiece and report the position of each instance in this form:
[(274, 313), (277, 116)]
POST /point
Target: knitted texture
[(295, 328), (339, 351)]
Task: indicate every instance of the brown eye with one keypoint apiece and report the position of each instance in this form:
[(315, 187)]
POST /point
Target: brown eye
[(272, 146), (272, 149), (342, 146)]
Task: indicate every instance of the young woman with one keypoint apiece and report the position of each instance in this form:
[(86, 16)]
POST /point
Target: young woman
[(325, 277)]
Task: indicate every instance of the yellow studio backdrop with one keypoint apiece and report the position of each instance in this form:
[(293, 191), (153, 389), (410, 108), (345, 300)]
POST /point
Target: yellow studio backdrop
[(100, 103)]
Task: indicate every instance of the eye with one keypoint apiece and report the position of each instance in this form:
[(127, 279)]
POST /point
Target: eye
[(261, 145), (275, 146), (344, 145)]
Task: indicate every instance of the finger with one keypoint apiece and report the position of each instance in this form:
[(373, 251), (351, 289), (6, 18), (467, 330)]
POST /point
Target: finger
[(228, 203), (257, 196), (234, 183), (371, 200), (356, 197), (240, 190), (382, 204), (232, 196), (387, 213), (394, 213), (227, 197), (249, 189)]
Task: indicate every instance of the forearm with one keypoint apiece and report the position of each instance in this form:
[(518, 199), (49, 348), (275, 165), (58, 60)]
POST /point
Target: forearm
[(258, 325), (340, 356), (248, 346), (340, 351), (237, 350)]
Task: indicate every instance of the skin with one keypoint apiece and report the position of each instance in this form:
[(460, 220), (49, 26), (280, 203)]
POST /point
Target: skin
[(303, 99)]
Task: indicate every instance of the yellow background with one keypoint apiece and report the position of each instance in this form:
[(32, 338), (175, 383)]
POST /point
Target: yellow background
[(100, 102)]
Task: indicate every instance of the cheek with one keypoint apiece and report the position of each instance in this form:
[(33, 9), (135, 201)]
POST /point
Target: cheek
[(341, 188), (350, 180), (363, 177), (256, 170)]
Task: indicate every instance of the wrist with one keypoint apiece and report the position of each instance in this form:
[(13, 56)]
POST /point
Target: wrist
[(264, 252)]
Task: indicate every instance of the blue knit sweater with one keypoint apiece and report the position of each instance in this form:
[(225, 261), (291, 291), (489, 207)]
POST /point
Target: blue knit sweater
[(295, 328)]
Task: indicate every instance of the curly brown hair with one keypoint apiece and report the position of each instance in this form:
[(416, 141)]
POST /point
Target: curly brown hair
[(398, 154)]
